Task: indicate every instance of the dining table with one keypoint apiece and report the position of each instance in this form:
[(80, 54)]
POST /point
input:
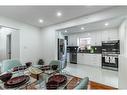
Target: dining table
[(43, 78)]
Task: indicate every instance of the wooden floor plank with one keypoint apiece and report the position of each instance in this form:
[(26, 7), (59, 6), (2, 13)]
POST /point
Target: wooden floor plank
[(98, 86)]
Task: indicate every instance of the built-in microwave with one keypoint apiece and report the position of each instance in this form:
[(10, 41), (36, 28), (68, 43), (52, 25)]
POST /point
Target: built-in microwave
[(111, 46)]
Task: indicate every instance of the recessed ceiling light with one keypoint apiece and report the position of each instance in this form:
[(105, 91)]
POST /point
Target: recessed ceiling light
[(65, 31), (59, 14), (106, 24), (40, 20), (82, 28)]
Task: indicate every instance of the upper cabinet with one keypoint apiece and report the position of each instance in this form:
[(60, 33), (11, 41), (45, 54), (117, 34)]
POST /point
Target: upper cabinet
[(72, 40), (110, 34), (98, 31), (96, 37)]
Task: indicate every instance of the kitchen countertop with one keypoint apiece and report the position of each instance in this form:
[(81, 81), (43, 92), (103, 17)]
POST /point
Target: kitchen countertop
[(88, 53)]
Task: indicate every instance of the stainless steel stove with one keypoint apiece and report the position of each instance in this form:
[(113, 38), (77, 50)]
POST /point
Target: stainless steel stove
[(110, 55)]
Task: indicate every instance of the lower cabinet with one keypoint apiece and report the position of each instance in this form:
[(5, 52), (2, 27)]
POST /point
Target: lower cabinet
[(68, 57), (89, 59)]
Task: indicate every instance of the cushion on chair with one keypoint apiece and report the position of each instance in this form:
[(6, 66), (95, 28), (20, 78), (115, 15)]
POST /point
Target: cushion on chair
[(7, 65), (83, 84)]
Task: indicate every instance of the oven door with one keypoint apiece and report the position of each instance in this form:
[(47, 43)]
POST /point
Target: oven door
[(110, 61)]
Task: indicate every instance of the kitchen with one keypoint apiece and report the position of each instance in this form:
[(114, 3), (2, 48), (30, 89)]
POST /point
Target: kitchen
[(93, 43), (96, 46)]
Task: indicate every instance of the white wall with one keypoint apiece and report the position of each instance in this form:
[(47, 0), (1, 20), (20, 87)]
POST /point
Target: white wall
[(96, 36), (123, 56), (48, 44), (29, 39)]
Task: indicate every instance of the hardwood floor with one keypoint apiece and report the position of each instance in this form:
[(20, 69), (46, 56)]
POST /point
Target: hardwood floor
[(92, 85), (98, 86)]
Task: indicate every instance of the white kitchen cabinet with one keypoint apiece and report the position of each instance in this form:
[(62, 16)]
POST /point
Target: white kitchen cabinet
[(96, 38), (111, 34), (89, 59), (68, 57), (96, 60), (72, 40), (80, 58)]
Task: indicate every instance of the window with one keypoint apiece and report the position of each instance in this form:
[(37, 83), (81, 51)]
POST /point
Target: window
[(84, 43)]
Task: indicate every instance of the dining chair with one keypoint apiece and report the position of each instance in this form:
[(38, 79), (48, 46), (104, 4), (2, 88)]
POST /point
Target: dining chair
[(7, 65), (55, 62), (83, 85)]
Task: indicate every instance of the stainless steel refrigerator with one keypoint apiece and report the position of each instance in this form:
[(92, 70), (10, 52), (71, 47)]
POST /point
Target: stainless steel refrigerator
[(62, 52)]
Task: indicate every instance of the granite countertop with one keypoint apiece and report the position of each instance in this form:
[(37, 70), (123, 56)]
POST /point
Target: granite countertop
[(89, 53)]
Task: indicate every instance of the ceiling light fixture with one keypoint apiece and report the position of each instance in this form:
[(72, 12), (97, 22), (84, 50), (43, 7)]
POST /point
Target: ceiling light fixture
[(40, 20), (82, 28), (59, 14), (106, 24), (65, 31)]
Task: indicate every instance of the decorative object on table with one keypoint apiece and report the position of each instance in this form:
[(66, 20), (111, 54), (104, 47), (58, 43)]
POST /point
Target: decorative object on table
[(52, 85), (28, 64), (45, 67), (19, 68), (35, 72), (8, 65), (60, 79), (41, 62), (5, 77), (17, 81)]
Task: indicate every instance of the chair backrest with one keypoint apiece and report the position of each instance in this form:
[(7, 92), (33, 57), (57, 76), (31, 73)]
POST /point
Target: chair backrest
[(9, 64), (83, 84), (55, 62)]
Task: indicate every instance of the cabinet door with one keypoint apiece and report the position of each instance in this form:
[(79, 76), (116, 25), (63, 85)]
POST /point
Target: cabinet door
[(68, 57), (96, 60), (87, 59), (80, 58), (72, 40), (84, 57), (104, 35), (96, 38), (113, 35)]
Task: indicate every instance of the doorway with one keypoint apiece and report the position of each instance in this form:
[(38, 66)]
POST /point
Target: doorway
[(9, 43), (8, 46)]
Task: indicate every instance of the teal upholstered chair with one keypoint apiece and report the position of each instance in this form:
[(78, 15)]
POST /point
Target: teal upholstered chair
[(7, 65), (55, 62), (83, 84)]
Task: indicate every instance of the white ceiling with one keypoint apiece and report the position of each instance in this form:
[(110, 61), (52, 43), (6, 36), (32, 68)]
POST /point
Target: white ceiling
[(31, 14), (100, 25)]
